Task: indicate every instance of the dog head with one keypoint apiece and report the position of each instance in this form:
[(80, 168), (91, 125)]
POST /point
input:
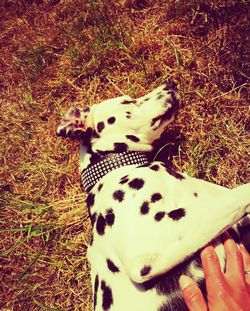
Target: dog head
[(123, 123)]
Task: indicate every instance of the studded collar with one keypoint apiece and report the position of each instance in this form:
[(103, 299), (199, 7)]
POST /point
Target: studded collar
[(95, 172)]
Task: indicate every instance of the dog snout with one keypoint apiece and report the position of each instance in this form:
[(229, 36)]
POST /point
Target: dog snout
[(170, 85), (173, 100)]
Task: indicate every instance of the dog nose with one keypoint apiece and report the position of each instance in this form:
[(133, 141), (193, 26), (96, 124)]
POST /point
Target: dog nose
[(174, 100), (170, 85)]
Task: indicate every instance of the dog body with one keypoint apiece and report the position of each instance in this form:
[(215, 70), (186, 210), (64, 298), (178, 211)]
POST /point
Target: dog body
[(149, 221)]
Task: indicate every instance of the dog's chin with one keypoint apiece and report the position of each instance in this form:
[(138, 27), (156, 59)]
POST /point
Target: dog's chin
[(168, 116)]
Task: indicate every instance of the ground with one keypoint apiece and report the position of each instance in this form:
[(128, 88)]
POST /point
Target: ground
[(57, 54)]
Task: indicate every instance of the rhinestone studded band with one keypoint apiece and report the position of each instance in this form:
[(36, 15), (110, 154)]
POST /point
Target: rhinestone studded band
[(94, 172)]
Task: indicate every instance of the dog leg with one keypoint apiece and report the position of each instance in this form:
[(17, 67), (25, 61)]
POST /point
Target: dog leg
[(161, 253)]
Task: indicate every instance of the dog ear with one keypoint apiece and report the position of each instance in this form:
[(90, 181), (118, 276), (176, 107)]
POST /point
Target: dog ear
[(73, 124)]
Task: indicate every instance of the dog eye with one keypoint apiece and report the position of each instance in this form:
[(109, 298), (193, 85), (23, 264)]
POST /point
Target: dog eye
[(128, 102)]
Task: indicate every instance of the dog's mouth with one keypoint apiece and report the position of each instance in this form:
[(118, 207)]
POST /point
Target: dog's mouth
[(168, 116), (172, 105)]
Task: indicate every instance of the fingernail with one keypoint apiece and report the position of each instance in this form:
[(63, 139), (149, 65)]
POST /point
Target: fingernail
[(185, 281)]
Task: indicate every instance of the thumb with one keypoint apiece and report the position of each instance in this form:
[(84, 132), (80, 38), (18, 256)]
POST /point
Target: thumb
[(192, 295)]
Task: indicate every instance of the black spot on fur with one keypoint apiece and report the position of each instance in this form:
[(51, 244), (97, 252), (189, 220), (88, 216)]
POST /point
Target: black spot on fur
[(123, 181), (95, 157), (62, 133), (156, 197), (133, 138), (128, 114), (93, 219), (177, 214), (160, 96), (155, 167), (100, 187), (136, 183), (111, 120), (76, 134), (90, 200), (154, 120), (96, 135), (110, 217), (120, 147), (107, 297), (118, 195), (96, 285), (91, 240), (100, 126), (145, 270), (172, 172), (195, 194), (112, 267), (88, 134), (159, 216), (100, 224), (234, 235), (144, 208), (127, 102), (243, 227)]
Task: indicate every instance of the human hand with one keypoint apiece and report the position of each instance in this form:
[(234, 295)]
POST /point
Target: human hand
[(225, 291)]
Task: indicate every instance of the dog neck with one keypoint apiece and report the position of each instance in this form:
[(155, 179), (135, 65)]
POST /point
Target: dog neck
[(95, 166)]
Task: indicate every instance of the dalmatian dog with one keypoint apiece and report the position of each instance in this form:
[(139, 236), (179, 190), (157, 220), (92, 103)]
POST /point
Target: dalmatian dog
[(148, 221)]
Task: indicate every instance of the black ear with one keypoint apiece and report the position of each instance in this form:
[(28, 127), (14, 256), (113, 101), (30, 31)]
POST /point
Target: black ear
[(73, 124)]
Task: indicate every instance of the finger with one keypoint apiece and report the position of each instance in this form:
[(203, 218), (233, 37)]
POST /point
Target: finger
[(211, 265), (234, 262), (215, 282), (246, 257), (192, 295), (246, 262)]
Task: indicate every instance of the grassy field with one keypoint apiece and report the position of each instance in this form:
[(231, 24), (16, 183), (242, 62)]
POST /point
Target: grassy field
[(57, 54)]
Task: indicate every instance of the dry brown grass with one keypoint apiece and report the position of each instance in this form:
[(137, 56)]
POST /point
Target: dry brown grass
[(55, 54)]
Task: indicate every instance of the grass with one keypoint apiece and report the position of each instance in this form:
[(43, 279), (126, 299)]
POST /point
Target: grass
[(55, 54)]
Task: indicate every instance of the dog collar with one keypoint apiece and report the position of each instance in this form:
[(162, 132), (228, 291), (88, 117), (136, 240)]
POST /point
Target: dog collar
[(94, 172)]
